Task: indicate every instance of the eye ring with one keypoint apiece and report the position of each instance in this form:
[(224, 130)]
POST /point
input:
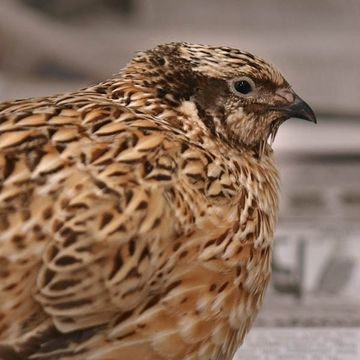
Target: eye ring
[(243, 86)]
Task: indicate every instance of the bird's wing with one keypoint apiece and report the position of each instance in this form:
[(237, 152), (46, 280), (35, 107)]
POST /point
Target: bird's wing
[(92, 203)]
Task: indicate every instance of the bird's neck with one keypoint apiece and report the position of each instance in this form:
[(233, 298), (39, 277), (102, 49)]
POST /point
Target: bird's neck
[(146, 91)]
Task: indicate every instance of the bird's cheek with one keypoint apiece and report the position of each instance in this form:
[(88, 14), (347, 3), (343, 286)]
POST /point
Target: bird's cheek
[(235, 117)]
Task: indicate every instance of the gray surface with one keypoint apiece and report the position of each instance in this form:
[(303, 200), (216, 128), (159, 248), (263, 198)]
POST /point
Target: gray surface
[(305, 344)]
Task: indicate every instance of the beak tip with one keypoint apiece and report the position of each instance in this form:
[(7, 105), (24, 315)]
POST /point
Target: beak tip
[(310, 115)]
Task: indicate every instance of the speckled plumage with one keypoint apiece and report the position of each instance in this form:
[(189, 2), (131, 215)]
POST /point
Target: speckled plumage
[(137, 215)]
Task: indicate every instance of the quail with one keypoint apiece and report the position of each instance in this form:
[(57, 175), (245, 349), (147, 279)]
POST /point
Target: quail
[(137, 215)]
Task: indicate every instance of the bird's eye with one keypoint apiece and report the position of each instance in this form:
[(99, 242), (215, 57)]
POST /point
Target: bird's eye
[(243, 86)]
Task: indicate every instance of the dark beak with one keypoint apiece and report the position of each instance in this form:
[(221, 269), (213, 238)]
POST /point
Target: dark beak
[(297, 109)]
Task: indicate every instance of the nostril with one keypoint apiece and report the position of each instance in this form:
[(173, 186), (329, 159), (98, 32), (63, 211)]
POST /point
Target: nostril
[(285, 94)]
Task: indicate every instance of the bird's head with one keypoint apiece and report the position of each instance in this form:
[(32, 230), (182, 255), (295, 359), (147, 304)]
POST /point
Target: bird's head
[(238, 96)]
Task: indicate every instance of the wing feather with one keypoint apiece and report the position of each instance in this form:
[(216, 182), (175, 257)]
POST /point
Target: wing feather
[(88, 201)]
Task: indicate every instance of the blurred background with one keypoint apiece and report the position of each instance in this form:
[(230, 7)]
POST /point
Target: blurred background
[(52, 46)]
